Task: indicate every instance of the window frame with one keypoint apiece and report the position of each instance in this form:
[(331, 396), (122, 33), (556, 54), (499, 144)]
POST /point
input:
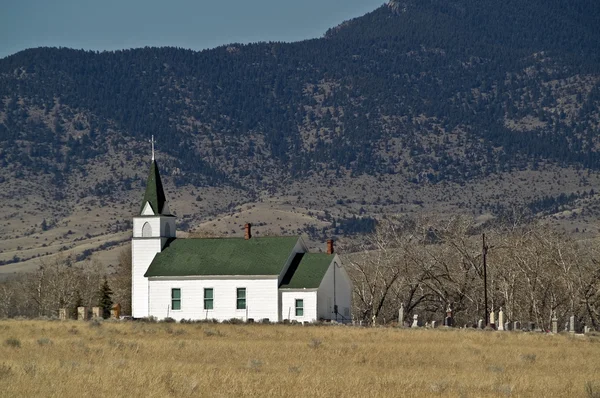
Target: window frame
[(175, 299), (299, 308), (211, 299), (238, 298)]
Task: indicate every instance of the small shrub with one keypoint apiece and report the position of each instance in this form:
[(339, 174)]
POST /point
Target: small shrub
[(44, 341), (439, 387), (234, 321), (255, 365), (592, 390), (12, 342), (168, 320), (5, 371), (30, 368), (529, 358), (211, 332), (96, 323), (315, 343)]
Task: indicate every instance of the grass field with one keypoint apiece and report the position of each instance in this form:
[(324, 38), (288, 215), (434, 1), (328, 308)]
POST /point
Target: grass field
[(74, 359)]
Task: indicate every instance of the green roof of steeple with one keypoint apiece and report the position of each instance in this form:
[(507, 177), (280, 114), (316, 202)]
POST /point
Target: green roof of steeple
[(154, 191)]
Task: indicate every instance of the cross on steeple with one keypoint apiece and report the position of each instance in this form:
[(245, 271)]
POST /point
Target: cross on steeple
[(152, 141)]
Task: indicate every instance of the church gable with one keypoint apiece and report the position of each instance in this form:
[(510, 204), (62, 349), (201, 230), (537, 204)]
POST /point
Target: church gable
[(147, 210)]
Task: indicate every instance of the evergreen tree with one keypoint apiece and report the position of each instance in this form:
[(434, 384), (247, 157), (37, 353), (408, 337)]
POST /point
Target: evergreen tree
[(105, 299)]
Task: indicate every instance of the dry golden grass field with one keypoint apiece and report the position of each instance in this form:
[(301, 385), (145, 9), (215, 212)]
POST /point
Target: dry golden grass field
[(131, 359)]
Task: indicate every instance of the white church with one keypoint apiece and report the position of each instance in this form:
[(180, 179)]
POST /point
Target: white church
[(273, 278)]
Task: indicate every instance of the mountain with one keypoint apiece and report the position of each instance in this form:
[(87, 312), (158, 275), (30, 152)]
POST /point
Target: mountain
[(429, 105)]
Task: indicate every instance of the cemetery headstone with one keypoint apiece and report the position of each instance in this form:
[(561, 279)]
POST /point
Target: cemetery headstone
[(572, 324), (554, 324), (517, 325), (415, 323), (62, 314), (500, 319), (81, 313), (401, 315), (433, 324), (96, 312), (480, 324), (449, 321), (507, 326), (493, 319)]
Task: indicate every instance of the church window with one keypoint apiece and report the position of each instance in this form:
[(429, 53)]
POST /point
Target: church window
[(176, 299), (208, 298), (147, 230), (241, 298), (299, 307)]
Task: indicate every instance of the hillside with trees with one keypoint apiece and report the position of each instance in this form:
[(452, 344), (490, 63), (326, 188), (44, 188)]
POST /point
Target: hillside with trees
[(427, 101)]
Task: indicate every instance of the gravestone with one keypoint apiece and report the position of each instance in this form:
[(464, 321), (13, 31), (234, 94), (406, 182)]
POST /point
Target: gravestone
[(493, 319), (433, 324), (415, 323), (517, 325), (531, 326), (507, 326), (500, 319), (480, 324), (115, 311), (572, 324), (449, 321), (81, 313), (554, 324), (586, 329), (401, 315), (62, 314), (96, 312)]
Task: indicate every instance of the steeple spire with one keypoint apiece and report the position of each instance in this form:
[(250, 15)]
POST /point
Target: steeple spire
[(155, 194), (152, 141)]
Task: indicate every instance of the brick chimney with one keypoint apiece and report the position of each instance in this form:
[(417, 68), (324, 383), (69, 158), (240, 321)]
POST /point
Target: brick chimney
[(248, 233), (329, 246)]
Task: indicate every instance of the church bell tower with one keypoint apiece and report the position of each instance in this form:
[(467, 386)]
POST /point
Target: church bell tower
[(152, 228)]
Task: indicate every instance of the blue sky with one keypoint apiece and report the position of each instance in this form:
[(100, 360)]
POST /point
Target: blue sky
[(200, 24)]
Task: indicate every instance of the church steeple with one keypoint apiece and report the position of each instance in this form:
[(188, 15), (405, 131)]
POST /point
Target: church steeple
[(155, 194)]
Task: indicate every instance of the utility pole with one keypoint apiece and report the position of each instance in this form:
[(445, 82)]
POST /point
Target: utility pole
[(485, 299)]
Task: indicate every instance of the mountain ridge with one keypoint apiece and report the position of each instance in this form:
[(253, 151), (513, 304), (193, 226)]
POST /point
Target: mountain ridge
[(413, 97)]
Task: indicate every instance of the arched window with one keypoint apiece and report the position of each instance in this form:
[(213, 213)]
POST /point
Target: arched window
[(168, 230), (146, 231)]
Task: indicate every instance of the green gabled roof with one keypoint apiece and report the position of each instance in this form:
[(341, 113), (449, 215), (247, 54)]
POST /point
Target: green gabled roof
[(155, 193), (223, 256), (306, 271)]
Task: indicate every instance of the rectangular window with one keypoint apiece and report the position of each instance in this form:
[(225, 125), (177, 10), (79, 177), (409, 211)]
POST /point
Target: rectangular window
[(299, 307), (175, 299), (241, 298), (208, 298)]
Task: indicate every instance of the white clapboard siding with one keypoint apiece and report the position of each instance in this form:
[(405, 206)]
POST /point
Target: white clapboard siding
[(288, 305), (261, 298), (343, 292), (143, 251)]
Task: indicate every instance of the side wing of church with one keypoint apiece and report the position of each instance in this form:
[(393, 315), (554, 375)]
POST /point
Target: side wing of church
[(273, 278)]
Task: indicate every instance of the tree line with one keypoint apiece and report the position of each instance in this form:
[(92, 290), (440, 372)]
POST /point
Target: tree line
[(427, 265), (62, 283)]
